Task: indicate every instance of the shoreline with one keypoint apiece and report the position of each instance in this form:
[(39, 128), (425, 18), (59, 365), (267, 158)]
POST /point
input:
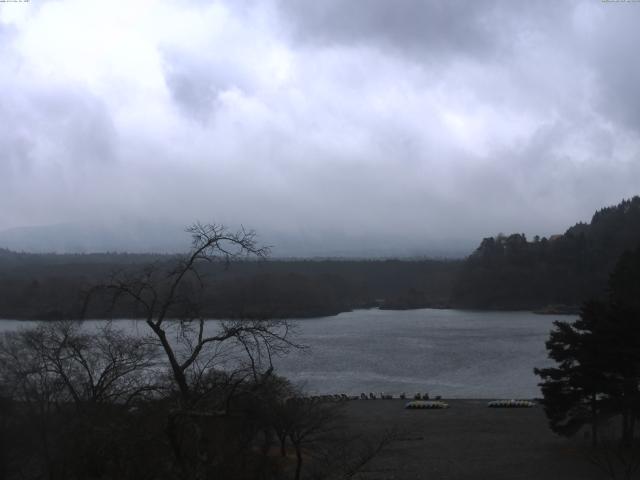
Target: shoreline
[(313, 316)]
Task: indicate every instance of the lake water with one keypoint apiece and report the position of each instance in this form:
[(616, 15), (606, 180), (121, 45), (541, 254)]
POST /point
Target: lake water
[(453, 353)]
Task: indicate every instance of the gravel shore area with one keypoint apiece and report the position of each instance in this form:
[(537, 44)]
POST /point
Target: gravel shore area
[(468, 441)]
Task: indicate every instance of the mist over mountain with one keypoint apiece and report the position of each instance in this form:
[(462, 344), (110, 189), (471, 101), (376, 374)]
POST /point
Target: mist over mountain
[(504, 272), (89, 238), (150, 236)]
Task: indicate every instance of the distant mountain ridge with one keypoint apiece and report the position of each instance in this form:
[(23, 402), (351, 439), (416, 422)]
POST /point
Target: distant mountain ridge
[(155, 236), (512, 272), (85, 237)]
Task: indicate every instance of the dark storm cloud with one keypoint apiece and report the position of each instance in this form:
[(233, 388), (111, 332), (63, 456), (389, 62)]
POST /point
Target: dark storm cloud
[(49, 125), (611, 51), (54, 153), (426, 29), (405, 24), (196, 82)]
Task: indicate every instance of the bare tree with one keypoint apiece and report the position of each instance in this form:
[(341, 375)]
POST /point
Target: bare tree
[(322, 441), (170, 299), (70, 388), (58, 362), (310, 422)]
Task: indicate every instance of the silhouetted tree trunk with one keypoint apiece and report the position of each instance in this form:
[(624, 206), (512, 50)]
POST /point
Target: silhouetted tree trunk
[(594, 423), (298, 461), (283, 444)]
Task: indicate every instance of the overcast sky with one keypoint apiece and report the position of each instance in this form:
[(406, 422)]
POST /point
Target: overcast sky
[(421, 122)]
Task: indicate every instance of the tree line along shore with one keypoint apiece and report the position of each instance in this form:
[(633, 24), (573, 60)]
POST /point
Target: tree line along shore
[(505, 272)]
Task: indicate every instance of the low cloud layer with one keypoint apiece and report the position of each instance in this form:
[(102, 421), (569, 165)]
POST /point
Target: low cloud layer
[(388, 124)]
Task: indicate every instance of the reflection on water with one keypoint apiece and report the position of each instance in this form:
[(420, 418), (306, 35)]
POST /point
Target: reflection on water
[(452, 353)]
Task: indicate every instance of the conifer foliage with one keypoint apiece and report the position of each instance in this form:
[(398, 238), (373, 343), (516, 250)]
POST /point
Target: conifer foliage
[(597, 357)]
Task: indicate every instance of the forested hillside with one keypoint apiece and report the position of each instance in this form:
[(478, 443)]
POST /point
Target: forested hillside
[(512, 272)]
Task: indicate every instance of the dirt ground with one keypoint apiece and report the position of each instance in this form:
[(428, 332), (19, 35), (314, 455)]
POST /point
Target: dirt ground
[(468, 441)]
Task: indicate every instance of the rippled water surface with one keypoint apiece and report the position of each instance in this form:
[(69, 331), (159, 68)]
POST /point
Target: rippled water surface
[(452, 353)]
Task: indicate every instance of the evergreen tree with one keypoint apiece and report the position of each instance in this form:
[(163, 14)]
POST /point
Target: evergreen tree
[(509, 272), (598, 359), (575, 391)]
